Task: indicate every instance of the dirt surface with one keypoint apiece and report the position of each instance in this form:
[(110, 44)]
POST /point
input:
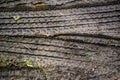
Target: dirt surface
[(60, 40)]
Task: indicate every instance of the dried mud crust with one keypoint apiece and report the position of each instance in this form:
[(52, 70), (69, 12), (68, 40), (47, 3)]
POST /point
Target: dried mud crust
[(68, 43)]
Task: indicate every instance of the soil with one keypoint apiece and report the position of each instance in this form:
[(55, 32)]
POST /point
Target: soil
[(59, 40)]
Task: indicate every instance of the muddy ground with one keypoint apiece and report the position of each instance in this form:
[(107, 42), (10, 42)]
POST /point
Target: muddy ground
[(59, 40)]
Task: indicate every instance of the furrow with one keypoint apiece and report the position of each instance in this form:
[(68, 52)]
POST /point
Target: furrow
[(44, 47), (33, 15), (48, 60), (102, 29), (47, 53), (61, 56), (90, 40), (53, 25), (66, 66), (59, 19), (63, 12), (62, 3), (67, 45), (37, 23), (44, 50)]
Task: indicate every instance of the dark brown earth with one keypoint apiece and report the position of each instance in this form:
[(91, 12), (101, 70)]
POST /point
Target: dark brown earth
[(63, 39)]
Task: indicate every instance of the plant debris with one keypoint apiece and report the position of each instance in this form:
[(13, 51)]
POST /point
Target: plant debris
[(28, 63), (16, 18)]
